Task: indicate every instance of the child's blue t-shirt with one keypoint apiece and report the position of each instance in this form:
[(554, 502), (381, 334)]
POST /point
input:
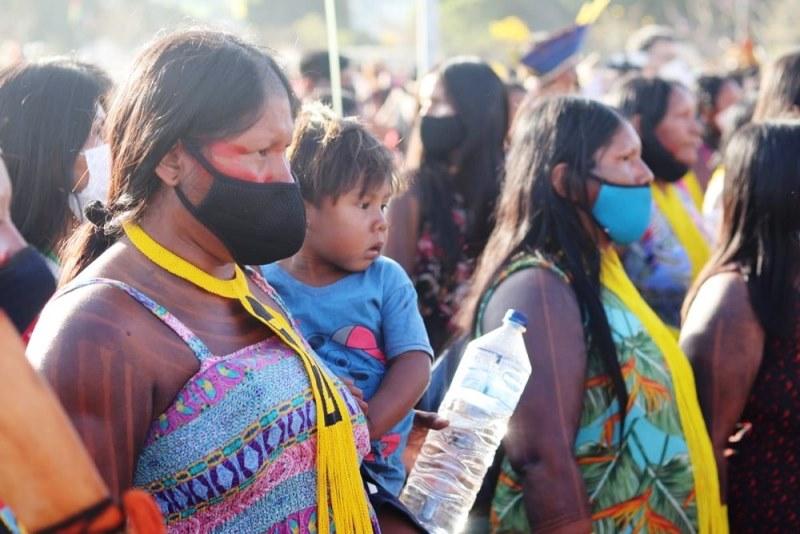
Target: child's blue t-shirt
[(357, 325)]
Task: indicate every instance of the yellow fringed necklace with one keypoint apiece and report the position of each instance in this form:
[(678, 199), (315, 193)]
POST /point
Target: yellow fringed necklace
[(339, 488)]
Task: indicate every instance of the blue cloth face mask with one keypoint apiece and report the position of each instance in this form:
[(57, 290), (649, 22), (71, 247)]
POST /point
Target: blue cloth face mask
[(622, 211)]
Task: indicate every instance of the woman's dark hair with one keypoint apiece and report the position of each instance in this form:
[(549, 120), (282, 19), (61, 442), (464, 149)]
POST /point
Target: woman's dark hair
[(481, 102), (707, 90), (531, 215), (779, 93), (761, 223), (46, 114), (647, 98), (190, 86)]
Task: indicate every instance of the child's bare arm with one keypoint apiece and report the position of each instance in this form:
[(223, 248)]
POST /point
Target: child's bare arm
[(401, 388)]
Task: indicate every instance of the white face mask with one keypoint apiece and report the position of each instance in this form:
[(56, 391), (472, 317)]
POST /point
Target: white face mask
[(98, 162)]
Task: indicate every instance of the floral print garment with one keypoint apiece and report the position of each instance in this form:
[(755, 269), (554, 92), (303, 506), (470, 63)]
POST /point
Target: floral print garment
[(440, 287), (643, 483), (658, 265)]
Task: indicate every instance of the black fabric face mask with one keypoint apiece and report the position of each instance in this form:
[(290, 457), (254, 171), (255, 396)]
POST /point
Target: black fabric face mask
[(257, 223), (661, 162), (440, 135)]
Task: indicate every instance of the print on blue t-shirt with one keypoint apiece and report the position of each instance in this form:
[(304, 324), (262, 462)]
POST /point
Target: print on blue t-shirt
[(357, 325)]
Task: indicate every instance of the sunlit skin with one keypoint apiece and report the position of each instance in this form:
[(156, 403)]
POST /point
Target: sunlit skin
[(114, 366), (729, 95), (258, 154), (680, 131), (344, 236), (433, 98), (620, 162)]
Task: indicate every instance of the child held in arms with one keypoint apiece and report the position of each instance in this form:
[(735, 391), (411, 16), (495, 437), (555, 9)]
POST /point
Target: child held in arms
[(357, 309)]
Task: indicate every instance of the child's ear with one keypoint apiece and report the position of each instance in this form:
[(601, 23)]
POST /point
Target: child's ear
[(311, 215)]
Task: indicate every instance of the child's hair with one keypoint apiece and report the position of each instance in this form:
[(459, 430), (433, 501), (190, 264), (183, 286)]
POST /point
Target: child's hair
[(331, 156)]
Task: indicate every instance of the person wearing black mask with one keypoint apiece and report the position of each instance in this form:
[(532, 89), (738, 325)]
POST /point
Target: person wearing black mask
[(163, 346), (670, 254), (440, 226)]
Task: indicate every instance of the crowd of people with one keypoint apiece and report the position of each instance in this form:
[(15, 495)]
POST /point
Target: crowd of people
[(231, 300)]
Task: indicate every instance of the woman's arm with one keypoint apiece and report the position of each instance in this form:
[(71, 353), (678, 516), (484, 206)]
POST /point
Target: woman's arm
[(404, 221), (725, 342), (102, 372), (542, 431)]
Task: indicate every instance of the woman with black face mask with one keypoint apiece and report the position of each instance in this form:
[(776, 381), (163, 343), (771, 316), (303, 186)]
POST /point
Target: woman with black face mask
[(178, 365), (440, 226), (670, 254)]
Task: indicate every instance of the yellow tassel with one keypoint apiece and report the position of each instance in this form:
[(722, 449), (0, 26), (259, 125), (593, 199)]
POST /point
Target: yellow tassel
[(339, 488), (691, 239)]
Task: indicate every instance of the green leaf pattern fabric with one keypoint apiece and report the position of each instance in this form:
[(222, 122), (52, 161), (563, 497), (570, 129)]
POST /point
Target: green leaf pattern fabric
[(642, 483)]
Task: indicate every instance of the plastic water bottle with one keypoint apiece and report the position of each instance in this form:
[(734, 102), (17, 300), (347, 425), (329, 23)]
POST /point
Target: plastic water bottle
[(484, 392)]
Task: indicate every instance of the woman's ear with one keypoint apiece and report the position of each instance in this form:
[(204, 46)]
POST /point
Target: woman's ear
[(558, 177), (170, 167)]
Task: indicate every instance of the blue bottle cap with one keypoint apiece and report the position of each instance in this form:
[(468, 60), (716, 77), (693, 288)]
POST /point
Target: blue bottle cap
[(516, 317)]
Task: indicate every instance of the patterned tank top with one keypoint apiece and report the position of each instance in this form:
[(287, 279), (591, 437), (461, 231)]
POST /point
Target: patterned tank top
[(236, 449), (641, 483)]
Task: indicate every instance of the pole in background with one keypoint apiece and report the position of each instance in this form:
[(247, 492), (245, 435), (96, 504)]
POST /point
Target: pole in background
[(427, 27), (333, 56), (742, 9)]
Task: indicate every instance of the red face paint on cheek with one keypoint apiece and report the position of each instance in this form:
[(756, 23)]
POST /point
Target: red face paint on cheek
[(232, 159)]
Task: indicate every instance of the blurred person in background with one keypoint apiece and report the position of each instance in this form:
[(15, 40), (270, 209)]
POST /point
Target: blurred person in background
[(778, 98), (25, 279), (715, 96), (552, 62), (653, 47), (779, 93), (742, 331), (441, 224), (668, 257), (734, 118), (315, 81), (51, 134)]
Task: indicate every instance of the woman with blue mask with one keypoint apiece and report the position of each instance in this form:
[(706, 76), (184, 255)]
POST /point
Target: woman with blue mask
[(608, 435)]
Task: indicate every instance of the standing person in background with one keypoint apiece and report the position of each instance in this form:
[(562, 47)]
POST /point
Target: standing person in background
[(441, 224), (51, 122), (670, 254), (715, 95), (653, 47), (180, 372), (778, 98), (742, 331), (608, 435), (779, 94), (25, 280)]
